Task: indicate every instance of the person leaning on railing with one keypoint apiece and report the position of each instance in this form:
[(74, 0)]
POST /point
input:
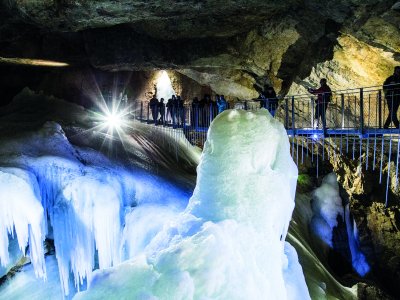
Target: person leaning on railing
[(324, 95), (391, 88)]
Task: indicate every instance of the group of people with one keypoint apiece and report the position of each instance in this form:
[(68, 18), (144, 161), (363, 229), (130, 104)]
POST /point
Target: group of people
[(269, 100), (391, 88), (206, 109), (174, 110)]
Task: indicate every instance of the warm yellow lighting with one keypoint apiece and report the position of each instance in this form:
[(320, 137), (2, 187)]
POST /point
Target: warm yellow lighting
[(32, 62), (164, 86)]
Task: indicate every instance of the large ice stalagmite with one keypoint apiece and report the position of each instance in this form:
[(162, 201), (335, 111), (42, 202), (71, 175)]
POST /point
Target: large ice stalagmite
[(230, 241), (21, 214)]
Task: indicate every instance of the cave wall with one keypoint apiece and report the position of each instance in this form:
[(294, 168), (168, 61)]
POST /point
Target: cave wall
[(233, 47)]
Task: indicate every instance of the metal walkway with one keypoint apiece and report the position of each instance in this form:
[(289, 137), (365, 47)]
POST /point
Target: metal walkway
[(354, 127), (361, 111)]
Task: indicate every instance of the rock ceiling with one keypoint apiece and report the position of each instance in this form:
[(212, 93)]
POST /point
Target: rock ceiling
[(230, 45)]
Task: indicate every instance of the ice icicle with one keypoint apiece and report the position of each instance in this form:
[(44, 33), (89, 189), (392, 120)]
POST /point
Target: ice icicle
[(21, 213), (86, 217), (358, 259)]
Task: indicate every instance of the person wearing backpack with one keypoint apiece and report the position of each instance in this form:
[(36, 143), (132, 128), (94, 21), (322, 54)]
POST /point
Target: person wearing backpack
[(324, 95)]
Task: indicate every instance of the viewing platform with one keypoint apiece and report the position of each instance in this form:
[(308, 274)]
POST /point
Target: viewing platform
[(361, 112)]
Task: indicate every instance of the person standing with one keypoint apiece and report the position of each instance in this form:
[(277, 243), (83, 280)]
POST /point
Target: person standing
[(271, 102), (324, 94), (391, 88), (175, 105), (222, 104), (194, 113), (181, 111), (169, 106), (161, 110), (154, 108)]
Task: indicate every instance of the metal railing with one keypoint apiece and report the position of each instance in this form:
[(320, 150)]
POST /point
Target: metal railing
[(357, 111)]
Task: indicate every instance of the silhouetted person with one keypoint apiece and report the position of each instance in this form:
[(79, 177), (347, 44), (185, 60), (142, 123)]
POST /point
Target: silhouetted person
[(194, 113), (269, 100), (175, 106), (391, 87), (169, 106), (181, 111), (154, 108), (161, 109), (213, 108), (222, 104), (324, 95)]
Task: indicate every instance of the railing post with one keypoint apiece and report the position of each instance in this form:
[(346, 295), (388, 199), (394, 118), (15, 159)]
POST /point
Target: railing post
[(184, 117), (342, 105), (196, 118), (286, 113), (361, 110), (293, 115), (148, 112), (380, 108), (141, 111), (312, 112)]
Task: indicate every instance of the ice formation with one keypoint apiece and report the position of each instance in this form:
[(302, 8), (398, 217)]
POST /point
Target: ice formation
[(230, 241), (171, 254), (77, 197), (327, 207), (21, 214)]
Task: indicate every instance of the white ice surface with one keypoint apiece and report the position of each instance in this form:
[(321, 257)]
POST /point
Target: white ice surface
[(229, 242), (327, 207), (24, 285), (21, 214), (83, 193)]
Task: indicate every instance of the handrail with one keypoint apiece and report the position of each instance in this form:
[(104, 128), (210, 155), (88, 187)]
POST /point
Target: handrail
[(357, 109), (379, 87)]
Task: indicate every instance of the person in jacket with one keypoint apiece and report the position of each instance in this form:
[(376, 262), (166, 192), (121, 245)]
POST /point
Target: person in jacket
[(271, 102), (194, 112), (324, 95), (169, 106), (222, 104), (391, 88), (154, 108), (161, 110)]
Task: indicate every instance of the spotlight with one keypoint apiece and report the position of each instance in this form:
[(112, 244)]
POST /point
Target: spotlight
[(113, 120), (315, 136)]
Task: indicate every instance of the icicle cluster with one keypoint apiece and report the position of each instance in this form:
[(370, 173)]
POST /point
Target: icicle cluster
[(50, 193)]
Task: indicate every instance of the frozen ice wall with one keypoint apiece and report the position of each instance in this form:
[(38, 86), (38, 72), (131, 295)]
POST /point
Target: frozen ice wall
[(76, 197), (230, 241)]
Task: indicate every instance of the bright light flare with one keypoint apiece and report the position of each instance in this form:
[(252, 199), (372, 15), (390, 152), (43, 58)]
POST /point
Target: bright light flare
[(114, 120)]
